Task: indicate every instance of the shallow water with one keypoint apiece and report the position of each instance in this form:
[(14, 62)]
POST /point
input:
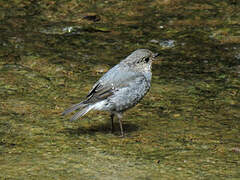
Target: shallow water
[(187, 127)]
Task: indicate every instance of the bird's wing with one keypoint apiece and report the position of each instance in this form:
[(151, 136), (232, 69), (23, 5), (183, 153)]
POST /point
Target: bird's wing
[(104, 87), (111, 82), (105, 79), (99, 92)]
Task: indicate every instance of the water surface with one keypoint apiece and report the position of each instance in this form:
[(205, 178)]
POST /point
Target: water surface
[(187, 127)]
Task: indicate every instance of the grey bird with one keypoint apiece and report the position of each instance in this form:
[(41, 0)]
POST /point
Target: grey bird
[(119, 89)]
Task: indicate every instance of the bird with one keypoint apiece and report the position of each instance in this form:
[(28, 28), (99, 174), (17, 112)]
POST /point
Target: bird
[(120, 88)]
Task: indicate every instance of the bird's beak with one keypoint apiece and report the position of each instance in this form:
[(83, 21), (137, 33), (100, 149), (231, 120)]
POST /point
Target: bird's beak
[(156, 55)]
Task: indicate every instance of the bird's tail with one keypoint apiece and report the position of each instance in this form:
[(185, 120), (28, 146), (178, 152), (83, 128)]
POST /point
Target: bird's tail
[(74, 107), (84, 109), (82, 112)]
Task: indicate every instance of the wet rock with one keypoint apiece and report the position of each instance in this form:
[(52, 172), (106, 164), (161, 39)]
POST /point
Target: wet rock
[(100, 69), (167, 43), (235, 149), (154, 41), (94, 18)]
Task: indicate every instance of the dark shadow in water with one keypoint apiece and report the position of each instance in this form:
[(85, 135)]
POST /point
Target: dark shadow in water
[(103, 128)]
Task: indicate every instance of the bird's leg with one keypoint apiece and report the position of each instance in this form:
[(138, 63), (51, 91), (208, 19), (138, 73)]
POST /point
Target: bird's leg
[(119, 115), (112, 117)]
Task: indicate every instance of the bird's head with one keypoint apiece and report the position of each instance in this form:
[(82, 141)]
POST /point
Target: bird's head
[(141, 59)]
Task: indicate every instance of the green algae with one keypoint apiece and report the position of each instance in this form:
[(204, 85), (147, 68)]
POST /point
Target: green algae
[(187, 127)]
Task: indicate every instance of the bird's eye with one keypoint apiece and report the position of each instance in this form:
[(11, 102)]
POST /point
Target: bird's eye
[(147, 59)]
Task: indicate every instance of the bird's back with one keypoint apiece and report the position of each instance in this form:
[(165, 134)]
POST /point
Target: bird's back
[(120, 88)]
